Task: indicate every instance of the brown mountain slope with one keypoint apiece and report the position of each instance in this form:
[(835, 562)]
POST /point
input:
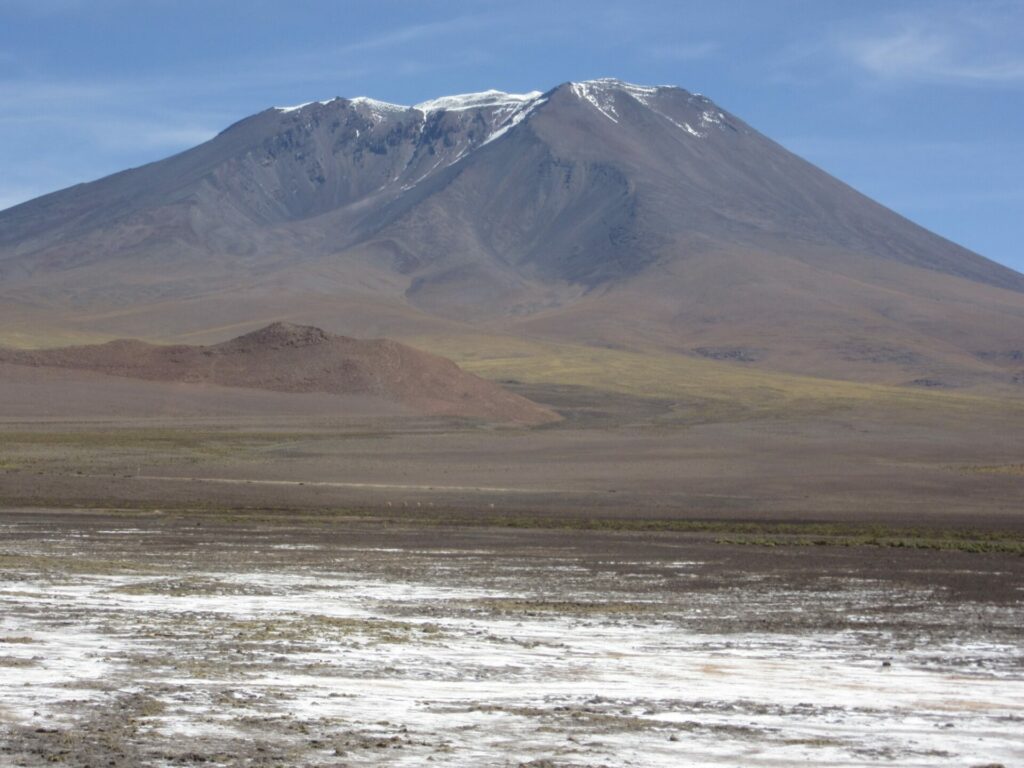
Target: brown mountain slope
[(292, 358), (601, 213)]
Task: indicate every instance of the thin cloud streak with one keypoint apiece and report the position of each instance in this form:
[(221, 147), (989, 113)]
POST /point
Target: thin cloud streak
[(417, 32), (977, 45), (153, 112), (917, 55), (306, 67)]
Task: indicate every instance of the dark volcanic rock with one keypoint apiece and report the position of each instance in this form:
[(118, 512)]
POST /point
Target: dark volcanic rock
[(737, 354)]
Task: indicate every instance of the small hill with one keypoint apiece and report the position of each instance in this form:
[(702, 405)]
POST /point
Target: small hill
[(295, 358)]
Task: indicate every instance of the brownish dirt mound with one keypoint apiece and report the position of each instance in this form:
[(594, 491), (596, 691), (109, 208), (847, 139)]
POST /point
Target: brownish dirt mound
[(296, 358)]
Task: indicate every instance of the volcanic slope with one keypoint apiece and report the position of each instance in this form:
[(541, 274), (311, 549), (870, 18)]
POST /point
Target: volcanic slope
[(302, 359), (601, 214)]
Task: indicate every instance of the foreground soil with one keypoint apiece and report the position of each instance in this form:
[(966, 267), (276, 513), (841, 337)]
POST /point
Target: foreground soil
[(210, 575), (170, 639), (610, 457)]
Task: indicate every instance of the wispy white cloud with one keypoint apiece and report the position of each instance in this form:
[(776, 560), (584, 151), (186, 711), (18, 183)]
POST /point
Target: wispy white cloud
[(965, 43), (916, 54), (147, 134), (418, 32), (939, 42), (54, 134), (28, 96), (105, 123), (414, 47), (183, 136)]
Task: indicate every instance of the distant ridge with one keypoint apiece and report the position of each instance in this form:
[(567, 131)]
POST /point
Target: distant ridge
[(284, 357)]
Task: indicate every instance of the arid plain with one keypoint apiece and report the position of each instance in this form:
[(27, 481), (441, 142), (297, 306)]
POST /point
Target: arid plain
[(678, 452), (197, 574), (674, 440)]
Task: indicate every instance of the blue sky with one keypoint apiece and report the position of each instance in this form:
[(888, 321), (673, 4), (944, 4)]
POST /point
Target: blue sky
[(919, 104)]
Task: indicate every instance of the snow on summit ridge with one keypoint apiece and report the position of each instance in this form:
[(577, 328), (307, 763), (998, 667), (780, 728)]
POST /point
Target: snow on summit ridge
[(589, 89), (454, 103), (503, 111), (507, 110), (489, 98)]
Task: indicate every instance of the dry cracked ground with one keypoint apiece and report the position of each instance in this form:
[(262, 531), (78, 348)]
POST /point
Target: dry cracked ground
[(177, 639)]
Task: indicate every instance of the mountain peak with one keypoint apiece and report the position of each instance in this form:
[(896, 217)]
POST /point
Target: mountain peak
[(603, 92), (376, 105), (305, 104), (561, 212), (614, 82), (489, 98), (453, 103), (284, 334)]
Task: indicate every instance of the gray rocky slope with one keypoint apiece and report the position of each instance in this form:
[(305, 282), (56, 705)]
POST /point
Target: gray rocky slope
[(599, 212)]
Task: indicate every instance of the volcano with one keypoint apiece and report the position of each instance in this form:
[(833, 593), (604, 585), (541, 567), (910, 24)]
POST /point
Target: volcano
[(599, 213)]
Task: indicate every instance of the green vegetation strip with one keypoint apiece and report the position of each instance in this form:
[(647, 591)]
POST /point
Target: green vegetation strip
[(778, 534), (726, 532)]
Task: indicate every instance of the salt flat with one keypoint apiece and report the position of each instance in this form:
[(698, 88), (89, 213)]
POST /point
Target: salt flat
[(163, 640)]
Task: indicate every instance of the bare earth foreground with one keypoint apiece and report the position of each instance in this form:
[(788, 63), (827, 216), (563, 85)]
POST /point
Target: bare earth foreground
[(201, 575), (681, 452), (170, 639)]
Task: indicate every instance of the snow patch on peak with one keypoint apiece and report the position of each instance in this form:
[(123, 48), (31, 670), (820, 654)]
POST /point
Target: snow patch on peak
[(517, 116), (598, 92), (475, 100), (378, 110), (686, 127), (383, 106), (595, 92), (601, 93), (297, 107), (613, 82), (633, 89), (709, 116)]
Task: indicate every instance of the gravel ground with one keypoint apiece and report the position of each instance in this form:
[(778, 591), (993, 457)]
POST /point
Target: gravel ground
[(175, 639)]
